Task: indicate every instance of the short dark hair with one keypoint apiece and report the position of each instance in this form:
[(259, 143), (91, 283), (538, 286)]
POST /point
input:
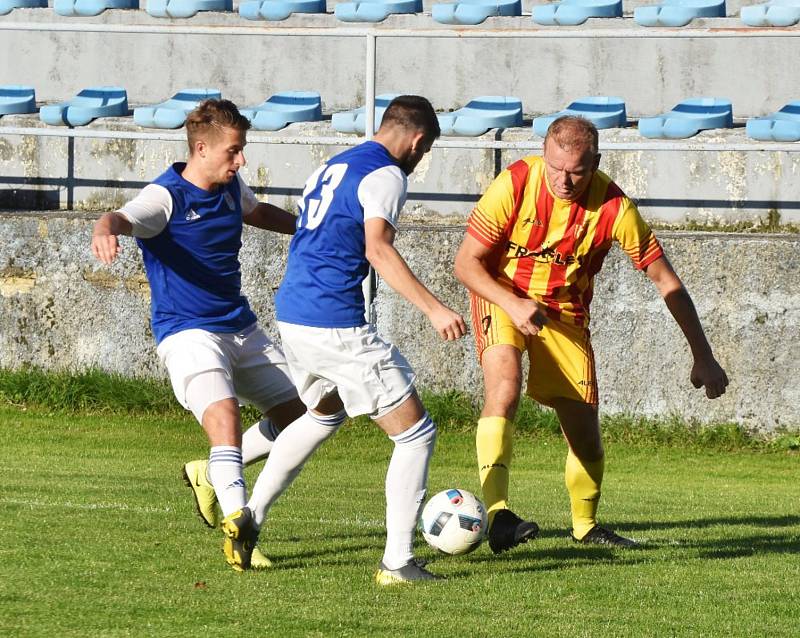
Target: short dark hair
[(412, 112), (571, 131), (211, 115)]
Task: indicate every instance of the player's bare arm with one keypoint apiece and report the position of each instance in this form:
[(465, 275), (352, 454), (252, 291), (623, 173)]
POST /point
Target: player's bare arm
[(706, 371), (105, 245), (471, 270), (390, 265), (270, 217)]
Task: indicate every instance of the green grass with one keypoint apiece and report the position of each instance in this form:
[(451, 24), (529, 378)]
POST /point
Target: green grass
[(99, 538)]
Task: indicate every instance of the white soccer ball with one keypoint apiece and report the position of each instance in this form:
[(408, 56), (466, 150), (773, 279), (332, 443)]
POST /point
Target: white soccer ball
[(454, 522)]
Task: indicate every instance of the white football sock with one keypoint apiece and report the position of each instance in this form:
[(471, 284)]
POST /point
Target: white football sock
[(291, 450), (406, 481), (257, 441), (225, 474)]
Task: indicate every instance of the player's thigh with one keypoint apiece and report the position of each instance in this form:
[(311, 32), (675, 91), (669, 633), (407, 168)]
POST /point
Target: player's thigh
[(369, 374), (190, 354), (499, 345), (562, 365), (261, 375)]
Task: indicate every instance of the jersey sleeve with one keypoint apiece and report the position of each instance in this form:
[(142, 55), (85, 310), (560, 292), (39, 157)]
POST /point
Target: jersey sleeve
[(635, 236), (382, 194), (149, 211), (489, 218), (247, 197)]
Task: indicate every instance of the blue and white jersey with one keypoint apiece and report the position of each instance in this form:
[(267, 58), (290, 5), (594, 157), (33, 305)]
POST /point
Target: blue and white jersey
[(327, 255), (190, 240)]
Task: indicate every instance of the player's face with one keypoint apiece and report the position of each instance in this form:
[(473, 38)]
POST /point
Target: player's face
[(224, 155), (419, 146), (569, 172)]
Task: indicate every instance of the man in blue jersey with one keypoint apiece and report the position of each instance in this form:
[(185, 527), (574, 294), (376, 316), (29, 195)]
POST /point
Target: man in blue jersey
[(348, 217), (188, 225)]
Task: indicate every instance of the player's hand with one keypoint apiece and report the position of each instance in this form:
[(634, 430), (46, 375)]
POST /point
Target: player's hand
[(448, 323), (528, 316), (105, 247), (707, 372)]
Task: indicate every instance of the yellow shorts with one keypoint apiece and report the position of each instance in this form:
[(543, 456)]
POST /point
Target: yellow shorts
[(561, 356)]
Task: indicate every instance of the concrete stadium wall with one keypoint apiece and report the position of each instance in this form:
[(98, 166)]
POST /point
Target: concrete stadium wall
[(652, 73), (670, 187), (61, 309)]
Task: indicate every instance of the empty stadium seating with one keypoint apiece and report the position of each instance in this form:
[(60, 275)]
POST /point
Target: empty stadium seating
[(375, 10), (173, 112), (355, 121), (7, 6), (474, 11), (89, 104), (605, 112), (689, 118), (185, 8), (782, 126), (16, 99), (678, 13), (776, 13), (285, 108), (481, 114), (278, 9), (91, 7), (574, 12)]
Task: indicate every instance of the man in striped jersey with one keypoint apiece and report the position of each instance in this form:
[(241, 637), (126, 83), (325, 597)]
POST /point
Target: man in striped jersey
[(533, 245)]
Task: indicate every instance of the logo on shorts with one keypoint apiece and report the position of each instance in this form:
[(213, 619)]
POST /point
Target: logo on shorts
[(191, 216), (486, 323)]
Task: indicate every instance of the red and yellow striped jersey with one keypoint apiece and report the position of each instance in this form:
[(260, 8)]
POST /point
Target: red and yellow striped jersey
[(550, 249)]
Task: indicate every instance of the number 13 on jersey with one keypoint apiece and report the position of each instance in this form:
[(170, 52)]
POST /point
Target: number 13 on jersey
[(318, 194)]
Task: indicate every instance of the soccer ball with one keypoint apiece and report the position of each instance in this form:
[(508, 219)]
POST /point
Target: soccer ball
[(454, 522)]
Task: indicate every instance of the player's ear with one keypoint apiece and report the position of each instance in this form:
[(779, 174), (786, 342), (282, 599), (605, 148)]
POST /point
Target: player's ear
[(417, 141), (200, 148)]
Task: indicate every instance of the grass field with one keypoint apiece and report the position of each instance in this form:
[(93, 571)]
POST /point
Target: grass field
[(99, 538)]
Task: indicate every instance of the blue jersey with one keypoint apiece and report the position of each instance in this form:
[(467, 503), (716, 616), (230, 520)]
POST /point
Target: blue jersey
[(327, 256), (190, 247)]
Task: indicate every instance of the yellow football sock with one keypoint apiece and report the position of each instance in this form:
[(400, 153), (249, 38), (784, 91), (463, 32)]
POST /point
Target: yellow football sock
[(493, 441), (583, 481)]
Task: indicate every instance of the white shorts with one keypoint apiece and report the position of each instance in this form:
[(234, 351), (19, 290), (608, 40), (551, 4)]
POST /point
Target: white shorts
[(247, 364), (370, 375)]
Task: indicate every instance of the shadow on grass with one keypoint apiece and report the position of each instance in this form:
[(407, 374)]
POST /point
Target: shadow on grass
[(754, 521)]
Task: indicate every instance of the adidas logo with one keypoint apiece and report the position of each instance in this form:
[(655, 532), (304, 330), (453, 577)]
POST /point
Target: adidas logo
[(191, 216)]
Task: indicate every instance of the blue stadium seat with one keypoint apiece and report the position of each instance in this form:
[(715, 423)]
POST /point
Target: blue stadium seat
[(279, 9), (474, 11), (776, 13), (173, 112), (783, 126), (689, 118), (7, 6), (572, 12), (481, 114), (185, 8), (17, 99), (678, 13), (354, 121), (284, 108), (89, 104), (374, 10), (604, 112), (90, 7)]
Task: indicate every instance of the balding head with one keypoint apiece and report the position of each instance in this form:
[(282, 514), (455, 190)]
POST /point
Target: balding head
[(573, 134)]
